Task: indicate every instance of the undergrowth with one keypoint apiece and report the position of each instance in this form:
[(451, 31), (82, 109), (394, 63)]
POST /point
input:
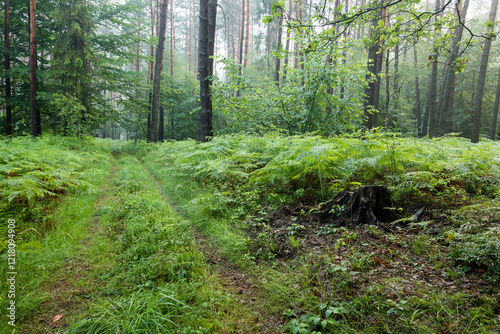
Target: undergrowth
[(49, 187), (230, 185), (160, 282)]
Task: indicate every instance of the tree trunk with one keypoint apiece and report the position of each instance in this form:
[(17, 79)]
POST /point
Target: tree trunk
[(189, 43), (8, 106), (233, 43), (396, 76), (446, 122), (172, 38), (478, 101), (35, 130), (417, 108), (278, 47), (150, 72), (287, 45), (372, 76), (387, 90), (195, 66), (440, 97), (247, 34), (172, 47), (240, 53), (430, 103), (161, 128), (344, 52), (430, 113), (208, 15), (158, 67), (495, 111)]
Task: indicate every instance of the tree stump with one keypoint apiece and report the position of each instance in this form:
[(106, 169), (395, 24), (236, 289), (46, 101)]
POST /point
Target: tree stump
[(365, 205)]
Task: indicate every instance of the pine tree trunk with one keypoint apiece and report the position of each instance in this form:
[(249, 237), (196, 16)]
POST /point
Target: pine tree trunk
[(233, 43), (396, 77), (446, 122), (158, 67), (278, 47), (208, 15), (150, 73), (172, 47), (242, 35), (478, 101), (195, 66), (387, 90), (8, 106), (417, 109), (35, 130), (247, 33), (287, 45), (172, 38), (188, 49), (161, 127), (493, 131)]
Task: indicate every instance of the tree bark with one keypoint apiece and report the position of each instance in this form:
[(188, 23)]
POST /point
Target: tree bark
[(158, 67), (387, 90), (446, 122), (208, 15), (372, 76), (247, 33), (195, 66), (287, 45), (417, 108), (493, 132), (478, 101), (278, 47), (172, 47), (189, 49), (35, 130), (161, 128), (396, 76), (172, 38), (8, 106), (242, 35)]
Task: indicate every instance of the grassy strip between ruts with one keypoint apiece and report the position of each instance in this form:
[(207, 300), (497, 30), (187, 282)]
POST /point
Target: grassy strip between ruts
[(160, 281)]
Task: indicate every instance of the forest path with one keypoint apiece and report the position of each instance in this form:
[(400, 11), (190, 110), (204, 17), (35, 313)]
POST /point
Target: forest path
[(234, 280), (69, 289)]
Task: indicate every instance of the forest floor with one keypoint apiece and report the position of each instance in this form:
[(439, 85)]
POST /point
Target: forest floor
[(135, 256), (74, 282), (78, 282)]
